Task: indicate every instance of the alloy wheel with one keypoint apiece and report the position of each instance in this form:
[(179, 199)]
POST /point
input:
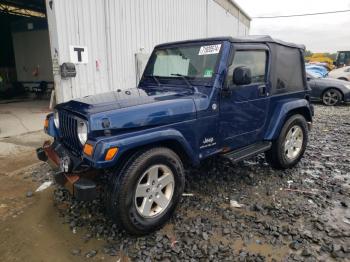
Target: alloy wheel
[(293, 142), (154, 191), (331, 98)]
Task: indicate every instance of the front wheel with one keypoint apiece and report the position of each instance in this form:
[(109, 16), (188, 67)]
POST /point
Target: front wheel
[(145, 192), (290, 146)]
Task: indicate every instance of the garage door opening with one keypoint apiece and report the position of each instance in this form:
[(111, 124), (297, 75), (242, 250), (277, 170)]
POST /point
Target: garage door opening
[(26, 77), (25, 60)]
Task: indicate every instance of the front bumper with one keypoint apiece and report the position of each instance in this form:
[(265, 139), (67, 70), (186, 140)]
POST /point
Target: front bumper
[(80, 185)]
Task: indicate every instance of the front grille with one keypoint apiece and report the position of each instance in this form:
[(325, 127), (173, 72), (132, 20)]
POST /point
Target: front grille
[(68, 131)]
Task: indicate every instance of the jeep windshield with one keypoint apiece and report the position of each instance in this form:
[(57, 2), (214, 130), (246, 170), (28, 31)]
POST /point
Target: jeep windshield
[(183, 65)]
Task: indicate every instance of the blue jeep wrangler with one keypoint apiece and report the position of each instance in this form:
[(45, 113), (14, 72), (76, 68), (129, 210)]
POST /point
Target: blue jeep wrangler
[(227, 97)]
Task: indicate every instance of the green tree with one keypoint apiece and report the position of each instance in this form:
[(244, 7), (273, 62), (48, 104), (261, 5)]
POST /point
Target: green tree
[(308, 53), (331, 55)]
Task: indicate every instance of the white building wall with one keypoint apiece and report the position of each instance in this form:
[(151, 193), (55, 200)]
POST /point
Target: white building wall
[(137, 26), (243, 29), (221, 22), (115, 31), (79, 22)]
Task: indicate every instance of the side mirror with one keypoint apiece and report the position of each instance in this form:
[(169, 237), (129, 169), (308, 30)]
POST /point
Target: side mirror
[(308, 78), (242, 75)]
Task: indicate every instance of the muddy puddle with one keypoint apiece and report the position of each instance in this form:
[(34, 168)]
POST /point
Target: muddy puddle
[(38, 234)]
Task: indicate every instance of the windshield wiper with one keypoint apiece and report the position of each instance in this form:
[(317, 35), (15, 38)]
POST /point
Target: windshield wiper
[(187, 81), (154, 78)]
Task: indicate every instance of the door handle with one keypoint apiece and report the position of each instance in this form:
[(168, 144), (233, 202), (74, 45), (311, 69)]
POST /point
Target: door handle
[(262, 90)]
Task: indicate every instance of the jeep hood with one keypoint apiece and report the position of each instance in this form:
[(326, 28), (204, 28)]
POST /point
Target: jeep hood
[(133, 108), (115, 100)]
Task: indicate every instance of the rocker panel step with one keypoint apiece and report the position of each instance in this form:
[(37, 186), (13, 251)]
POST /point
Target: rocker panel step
[(247, 152)]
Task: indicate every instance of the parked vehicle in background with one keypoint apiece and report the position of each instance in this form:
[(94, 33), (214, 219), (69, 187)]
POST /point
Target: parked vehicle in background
[(320, 58), (317, 70), (343, 59), (225, 97), (342, 73), (330, 91)]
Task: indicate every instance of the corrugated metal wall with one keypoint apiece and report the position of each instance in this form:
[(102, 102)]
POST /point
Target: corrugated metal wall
[(79, 22), (139, 25), (221, 22), (114, 31)]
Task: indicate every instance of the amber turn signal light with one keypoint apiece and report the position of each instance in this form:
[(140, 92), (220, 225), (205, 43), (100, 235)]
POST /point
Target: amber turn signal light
[(46, 123), (111, 153), (88, 149)]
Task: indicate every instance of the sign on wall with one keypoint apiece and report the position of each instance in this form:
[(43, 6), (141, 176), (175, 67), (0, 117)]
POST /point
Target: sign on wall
[(78, 54)]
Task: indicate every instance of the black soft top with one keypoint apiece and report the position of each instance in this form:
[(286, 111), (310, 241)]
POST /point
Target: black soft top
[(287, 68), (243, 39), (264, 39)]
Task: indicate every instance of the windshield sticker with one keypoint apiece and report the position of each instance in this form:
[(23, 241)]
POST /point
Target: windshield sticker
[(209, 49), (208, 73)]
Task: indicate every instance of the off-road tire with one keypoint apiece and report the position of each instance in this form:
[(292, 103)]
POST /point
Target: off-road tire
[(122, 187), (276, 156)]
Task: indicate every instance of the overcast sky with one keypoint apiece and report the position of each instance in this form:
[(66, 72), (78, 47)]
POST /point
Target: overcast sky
[(321, 33)]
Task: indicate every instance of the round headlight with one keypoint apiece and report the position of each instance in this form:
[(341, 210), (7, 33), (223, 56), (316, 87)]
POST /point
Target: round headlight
[(82, 132), (56, 120)]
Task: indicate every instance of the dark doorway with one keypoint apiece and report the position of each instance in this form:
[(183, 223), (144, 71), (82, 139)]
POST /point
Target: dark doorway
[(25, 60)]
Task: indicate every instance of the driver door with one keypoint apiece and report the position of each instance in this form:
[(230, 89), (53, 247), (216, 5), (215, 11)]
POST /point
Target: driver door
[(244, 108)]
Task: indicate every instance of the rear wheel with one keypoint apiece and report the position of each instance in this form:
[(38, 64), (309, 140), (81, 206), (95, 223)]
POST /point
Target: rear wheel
[(290, 146), (146, 191), (331, 97)]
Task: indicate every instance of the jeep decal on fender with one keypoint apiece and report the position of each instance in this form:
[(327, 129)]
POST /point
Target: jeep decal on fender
[(208, 142)]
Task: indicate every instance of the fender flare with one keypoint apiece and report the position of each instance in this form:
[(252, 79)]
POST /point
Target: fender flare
[(281, 112), (131, 142)]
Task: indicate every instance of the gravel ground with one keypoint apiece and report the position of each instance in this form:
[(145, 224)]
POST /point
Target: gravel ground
[(301, 214)]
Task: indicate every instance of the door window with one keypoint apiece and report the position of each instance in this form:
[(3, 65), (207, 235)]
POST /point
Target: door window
[(255, 60)]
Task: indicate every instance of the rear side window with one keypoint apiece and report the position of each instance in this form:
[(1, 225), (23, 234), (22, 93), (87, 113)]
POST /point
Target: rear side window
[(289, 69), (253, 59)]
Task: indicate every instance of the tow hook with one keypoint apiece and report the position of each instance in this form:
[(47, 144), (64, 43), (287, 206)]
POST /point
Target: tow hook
[(41, 154)]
